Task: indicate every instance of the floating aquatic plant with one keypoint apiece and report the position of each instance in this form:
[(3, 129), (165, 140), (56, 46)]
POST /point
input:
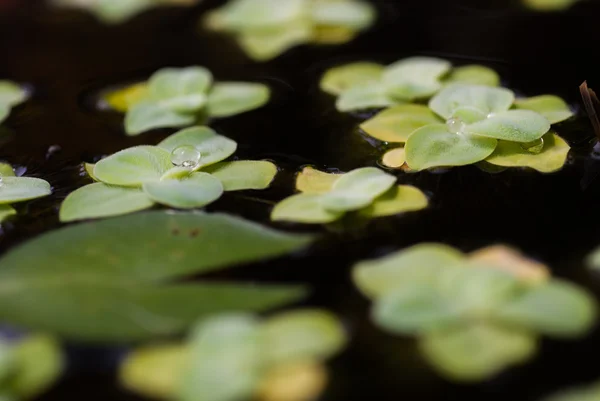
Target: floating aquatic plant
[(465, 124), (368, 192), (365, 85), (118, 11), (474, 315), (264, 29), (590, 392), (116, 279), (183, 171), (28, 366), (179, 97), (238, 357), (15, 189), (11, 95)]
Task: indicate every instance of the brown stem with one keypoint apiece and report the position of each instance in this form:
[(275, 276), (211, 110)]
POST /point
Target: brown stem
[(591, 103)]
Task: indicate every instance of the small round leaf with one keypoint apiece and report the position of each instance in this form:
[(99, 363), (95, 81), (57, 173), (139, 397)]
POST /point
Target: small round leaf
[(252, 15), (398, 199), (243, 174), (230, 98), (511, 125), (397, 123), (145, 116), (182, 90), (122, 99), (313, 181), (474, 75), (348, 14), (264, 45), (19, 189), (415, 77), (338, 79), (552, 107), (394, 158), (484, 98), (132, 167), (363, 96), (304, 208), (197, 191)]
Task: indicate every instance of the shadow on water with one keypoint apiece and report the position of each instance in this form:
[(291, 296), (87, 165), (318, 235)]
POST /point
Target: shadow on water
[(67, 57)]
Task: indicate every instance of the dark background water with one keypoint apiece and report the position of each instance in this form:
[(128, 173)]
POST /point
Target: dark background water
[(67, 57)]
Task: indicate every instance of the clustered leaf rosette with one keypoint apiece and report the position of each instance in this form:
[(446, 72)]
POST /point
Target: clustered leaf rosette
[(265, 29), (11, 95), (466, 124), (476, 314), (367, 85), (118, 11), (28, 366), (15, 189), (184, 171), (238, 357), (179, 97), (368, 192)]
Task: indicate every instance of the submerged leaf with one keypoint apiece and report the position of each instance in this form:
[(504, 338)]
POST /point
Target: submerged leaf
[(332, 35), (19, 189), (552, 107), (511, 261), (363, 96), (511, 125), (196, 191), (145, 115), (414, 77), (338, 79), (134, 166), (394, 158), (243, 174), (230, 98), (484, 98), (304, 208), (397, 123), (398, 199), (474, 75)]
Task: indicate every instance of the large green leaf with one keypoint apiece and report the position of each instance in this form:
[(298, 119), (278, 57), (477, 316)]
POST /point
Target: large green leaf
[(304, 208), (414, 77), (197, 191), (474, 75), (349, 14), (435, 146), (182, 90), (148, 115), (511, 125), (363, 96), (19, 189), (484, 98), (231, 98), (552, 107), (133, 166), (243, 174), (397, 123), (100, 281), (338, 79), (101, 200)]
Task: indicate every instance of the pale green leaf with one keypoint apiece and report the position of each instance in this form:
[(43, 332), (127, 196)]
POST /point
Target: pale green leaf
[(475, 75), (230, 98), (435, 146), (11, 94), (557, 308), (511, 125), (332, 35), (477, 351), (101, 200), (133, 166), (357, 189), (414, 77), (398, 199), (552, 107), (397, 123), (551, 158), (338, 79), (145, 116), (89, 169), (349, 14), (484, 98), (118, 11), (313, 181), (300, 335), (243, 174), (183, 90), (6, 211), (395, 158), (19, 189), (466, 115), (363, 96), (304, 208), (419, 263), (197, 191), (225, 360), (212, 147), (252, 15), (268, 44)]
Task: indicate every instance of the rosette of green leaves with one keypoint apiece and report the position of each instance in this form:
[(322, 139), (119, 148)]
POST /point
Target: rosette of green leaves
[(466, 124), (264, 29), (137, 178), (11, 95), (118, 11), (15, 189), (179, 97), (28, 366), (473, 316), (366, 85), (236, 357), (368, 192)]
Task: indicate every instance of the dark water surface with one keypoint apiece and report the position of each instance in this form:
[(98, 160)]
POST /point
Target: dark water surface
[(67, 57)]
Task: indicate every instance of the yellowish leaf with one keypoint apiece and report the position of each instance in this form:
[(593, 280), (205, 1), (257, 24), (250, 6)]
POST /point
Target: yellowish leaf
[(122, 99), (512, 261), (394, 158), (399, 199), (313, 181), (298, 381)]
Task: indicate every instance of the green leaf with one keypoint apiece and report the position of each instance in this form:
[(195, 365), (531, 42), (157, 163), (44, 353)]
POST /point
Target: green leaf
[(182, 90), (252, 15), (134, 166), (11, 94), (118, 11), (552, 107), (115, 267), (511, 125), (397, 123), (474, 75), (6, 170), (557, 308), (123, 98), (394, 158), (484, 98), (435, 146), (552, 157), (415, 77), (19, 189), (300, 335), (419, 263), (357, 189), (313, 181), (263, 45), (212, 147), (338, 79), (37, 363), (243, 174), (351, 14), (197, 191), (398, 199), (6, 360), (101, 200), (4, 112), (89, 169), (363, 96), (225, 360), (146, 115), (304, 208), (230, 98), (477, 351), (589, 392), (6, 211)]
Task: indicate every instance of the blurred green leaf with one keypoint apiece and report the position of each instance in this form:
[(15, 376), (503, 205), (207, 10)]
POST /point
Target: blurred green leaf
[(363, 96), (338, 79), (197, 191), (19, 189), (414, 77), (243, 174), (484, 98), (474, 75), (304, 208), (552, 107), (398, 199), (230, 98)]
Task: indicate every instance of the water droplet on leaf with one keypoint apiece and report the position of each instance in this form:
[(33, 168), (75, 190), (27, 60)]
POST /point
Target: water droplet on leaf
[(534, 147), (455, 125), (185, 156)]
